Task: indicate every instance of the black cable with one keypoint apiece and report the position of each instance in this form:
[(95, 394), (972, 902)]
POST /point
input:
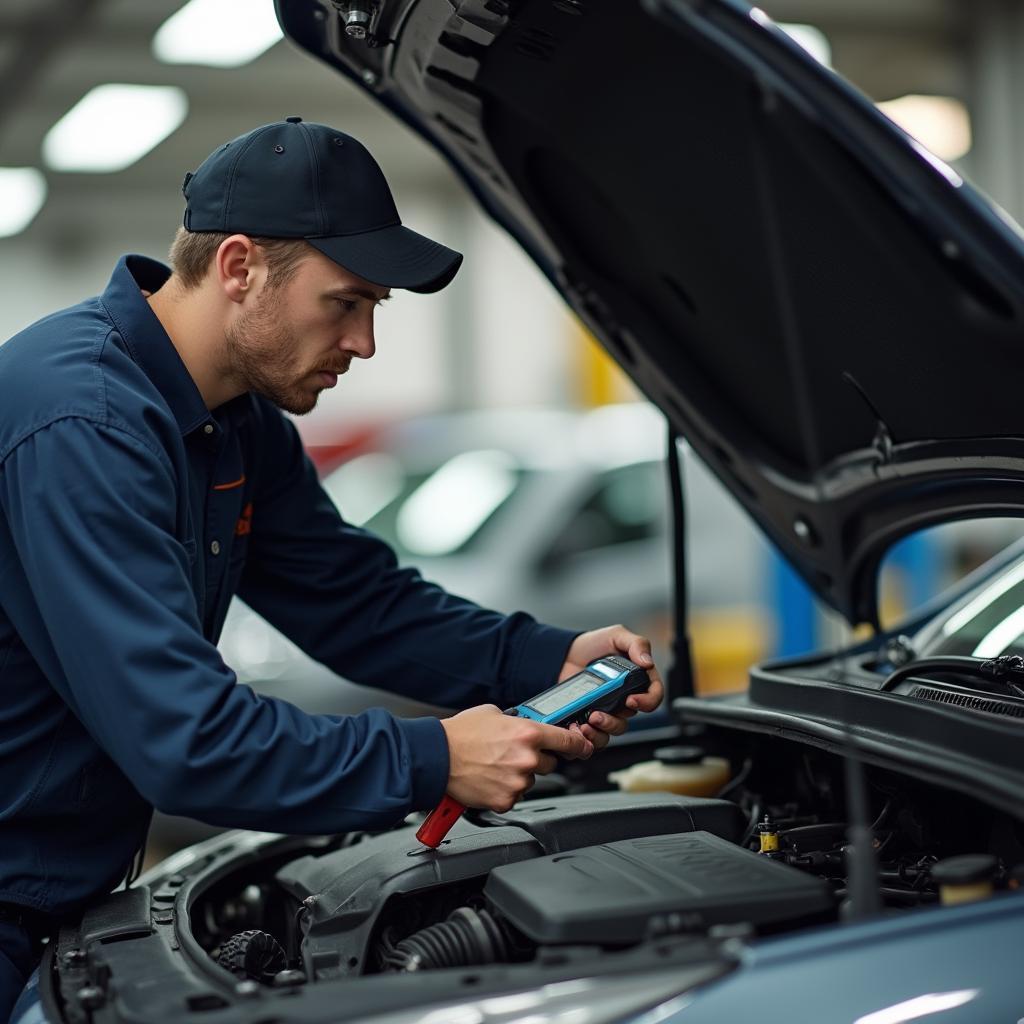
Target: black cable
[(755, 816), (882, 814), (297, 924), (994, 670), (738, 780), (389, 959)]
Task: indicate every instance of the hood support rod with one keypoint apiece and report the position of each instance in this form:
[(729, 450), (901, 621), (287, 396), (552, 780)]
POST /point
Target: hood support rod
[(679, 678)]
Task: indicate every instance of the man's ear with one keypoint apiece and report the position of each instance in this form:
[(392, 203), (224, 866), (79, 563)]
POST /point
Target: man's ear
[(237, 267)]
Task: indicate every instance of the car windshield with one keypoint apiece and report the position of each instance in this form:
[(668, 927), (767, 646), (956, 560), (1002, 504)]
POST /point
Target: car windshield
[(989, 625), (438, 511)]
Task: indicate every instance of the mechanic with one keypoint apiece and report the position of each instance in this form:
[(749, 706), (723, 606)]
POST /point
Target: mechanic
[(147, 474)]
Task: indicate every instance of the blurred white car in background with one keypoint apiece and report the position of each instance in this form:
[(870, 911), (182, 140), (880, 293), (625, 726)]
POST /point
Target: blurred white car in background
[(561, 514)]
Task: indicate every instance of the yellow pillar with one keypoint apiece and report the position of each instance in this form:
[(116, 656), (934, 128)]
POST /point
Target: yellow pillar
[(600, 379)]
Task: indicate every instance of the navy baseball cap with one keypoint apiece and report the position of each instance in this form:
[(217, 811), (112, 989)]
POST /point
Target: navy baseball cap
[(296, 179)]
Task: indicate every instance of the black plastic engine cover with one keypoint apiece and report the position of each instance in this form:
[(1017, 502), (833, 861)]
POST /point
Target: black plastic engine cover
[(572, 822), (626, 891), (346, 890)]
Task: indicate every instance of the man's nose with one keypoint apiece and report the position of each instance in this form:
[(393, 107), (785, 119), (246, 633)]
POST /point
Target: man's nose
[(359, 340)]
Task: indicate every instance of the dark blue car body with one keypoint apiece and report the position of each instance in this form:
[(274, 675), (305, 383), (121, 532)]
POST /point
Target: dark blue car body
[(794, 283)]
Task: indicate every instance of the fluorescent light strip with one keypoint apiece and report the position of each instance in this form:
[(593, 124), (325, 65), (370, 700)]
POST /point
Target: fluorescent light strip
[(942, 124), (1000, 637), (22, 194), (956, 622), (218, 33), (453, 503), (113, 126), (812, 39)]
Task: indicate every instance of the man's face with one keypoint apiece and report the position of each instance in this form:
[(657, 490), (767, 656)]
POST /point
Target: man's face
[(298, 338)]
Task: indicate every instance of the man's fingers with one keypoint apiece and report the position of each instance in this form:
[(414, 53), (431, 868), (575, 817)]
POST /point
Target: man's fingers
[(640, 653), (652, 698), (595, 736), (611, 724), (598, 738), (637, 648), (569, 743), (546, 764)]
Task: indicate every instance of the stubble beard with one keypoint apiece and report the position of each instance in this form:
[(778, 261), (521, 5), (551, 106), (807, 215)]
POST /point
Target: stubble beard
[(261, 356)]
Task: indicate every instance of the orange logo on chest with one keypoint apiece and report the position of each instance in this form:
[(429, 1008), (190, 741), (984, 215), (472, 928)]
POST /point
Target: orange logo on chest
[(244, 525)]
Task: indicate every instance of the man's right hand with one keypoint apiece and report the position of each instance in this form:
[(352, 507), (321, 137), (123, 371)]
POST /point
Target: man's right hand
[(493, 757)]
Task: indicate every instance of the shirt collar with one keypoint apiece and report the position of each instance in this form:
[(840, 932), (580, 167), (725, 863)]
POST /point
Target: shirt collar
[(152, 349)]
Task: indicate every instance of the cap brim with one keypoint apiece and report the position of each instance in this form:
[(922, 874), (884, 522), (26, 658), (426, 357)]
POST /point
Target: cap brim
[(393, 257)]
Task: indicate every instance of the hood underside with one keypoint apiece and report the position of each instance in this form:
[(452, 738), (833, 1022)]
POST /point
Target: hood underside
[(828, 315)]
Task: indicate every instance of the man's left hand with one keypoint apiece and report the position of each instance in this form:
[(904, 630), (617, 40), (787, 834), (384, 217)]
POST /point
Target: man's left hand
[(613, 640)]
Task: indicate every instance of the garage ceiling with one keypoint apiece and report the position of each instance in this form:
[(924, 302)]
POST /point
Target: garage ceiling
[(53, 52)]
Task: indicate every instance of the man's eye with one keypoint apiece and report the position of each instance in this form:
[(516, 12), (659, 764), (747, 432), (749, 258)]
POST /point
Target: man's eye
[(347, 305)]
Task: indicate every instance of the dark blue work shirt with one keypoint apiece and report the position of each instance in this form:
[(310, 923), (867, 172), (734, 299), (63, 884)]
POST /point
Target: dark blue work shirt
[(129, 516)]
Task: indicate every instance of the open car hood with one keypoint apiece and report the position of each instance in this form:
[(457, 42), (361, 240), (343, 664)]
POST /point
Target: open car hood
[(828, 314)]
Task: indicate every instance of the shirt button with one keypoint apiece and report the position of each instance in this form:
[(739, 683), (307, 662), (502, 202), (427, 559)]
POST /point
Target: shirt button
[(215, 547), (208, 429)]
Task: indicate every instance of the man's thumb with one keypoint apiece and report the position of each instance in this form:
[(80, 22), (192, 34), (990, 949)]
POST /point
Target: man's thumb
[(563, 741)]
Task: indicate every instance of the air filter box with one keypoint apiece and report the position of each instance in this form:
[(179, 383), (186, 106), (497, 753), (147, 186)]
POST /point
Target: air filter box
[(630, 890)]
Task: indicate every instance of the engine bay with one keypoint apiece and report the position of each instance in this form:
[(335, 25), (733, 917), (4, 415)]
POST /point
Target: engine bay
[(598, 885), (504, 888), (588, 876)]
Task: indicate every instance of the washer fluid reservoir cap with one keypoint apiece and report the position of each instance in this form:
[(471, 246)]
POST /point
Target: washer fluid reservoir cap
[(679, 755)]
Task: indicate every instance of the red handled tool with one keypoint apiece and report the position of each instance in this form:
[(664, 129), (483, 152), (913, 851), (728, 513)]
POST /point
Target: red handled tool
[(439, 822)]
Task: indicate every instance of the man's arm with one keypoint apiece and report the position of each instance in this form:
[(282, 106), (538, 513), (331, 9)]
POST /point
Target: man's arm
[(338, 592), (101, 596)]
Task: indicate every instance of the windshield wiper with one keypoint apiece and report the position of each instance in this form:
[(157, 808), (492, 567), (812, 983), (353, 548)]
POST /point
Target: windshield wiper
[(1001, 671)]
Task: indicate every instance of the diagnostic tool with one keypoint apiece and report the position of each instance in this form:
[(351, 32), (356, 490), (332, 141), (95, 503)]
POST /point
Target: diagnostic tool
[(603, 685)]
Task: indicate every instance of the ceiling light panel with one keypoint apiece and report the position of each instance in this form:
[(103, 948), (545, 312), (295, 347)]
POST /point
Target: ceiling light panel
[(218, 33), (940, 123), (812, 39), (22, 194), (113, 126)]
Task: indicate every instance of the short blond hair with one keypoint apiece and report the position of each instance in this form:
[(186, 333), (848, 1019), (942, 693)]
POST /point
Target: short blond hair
[(192, 251)]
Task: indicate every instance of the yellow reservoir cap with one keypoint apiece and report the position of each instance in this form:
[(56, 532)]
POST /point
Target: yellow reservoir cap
[(966, 878), (951, 895)]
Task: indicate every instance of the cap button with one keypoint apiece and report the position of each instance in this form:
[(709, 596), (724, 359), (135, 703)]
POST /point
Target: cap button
[(293, 119)]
